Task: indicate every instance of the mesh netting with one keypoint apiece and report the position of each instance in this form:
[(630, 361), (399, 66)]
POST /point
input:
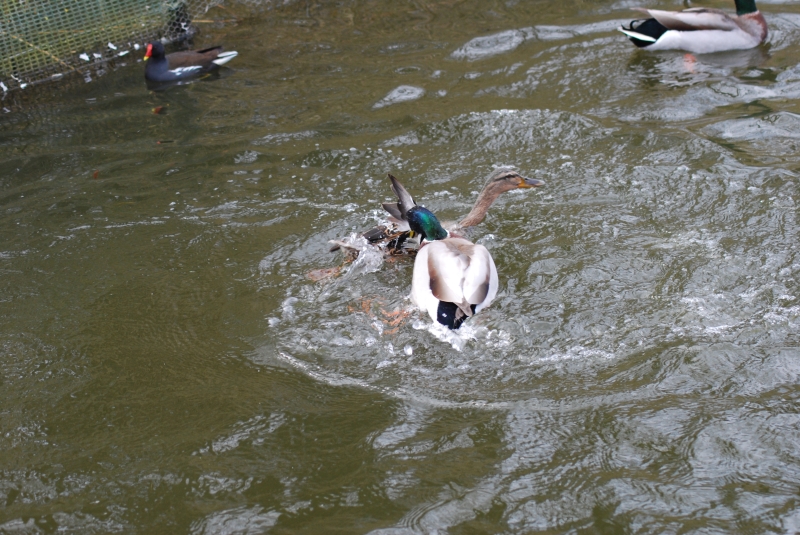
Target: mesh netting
[(44, 40)]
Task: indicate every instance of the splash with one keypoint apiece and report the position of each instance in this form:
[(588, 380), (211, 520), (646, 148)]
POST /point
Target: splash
[(370, 258)]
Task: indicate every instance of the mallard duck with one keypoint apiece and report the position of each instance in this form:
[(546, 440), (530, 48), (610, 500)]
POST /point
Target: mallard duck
[(699, 30), (453, 278), (394, 236), (184, 65)]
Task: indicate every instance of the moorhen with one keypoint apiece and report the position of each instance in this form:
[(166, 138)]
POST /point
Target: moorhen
[(184, 65)]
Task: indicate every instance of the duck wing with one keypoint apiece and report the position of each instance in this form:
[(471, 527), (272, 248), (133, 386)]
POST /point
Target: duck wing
[(478, 277), (692, 19), (405, 202), (193, 58), (393, 209), (395, 234)]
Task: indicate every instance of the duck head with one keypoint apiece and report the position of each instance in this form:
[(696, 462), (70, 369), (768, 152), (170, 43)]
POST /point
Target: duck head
[(504, 180), (423, 222)]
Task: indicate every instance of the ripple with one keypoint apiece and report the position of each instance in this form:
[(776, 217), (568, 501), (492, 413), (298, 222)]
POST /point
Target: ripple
[(775, 135), (403, 93), (490, 45), (245, 520), (284, 137)]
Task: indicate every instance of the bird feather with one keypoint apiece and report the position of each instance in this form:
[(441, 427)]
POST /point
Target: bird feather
[(693, 19)]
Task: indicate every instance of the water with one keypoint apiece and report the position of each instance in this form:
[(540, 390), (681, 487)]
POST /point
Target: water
[(168, 366)]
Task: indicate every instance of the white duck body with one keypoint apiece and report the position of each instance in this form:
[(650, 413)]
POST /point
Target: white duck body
[(699, 30), (453, 271)]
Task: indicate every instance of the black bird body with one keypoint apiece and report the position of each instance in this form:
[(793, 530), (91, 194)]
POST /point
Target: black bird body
[(185, 65)]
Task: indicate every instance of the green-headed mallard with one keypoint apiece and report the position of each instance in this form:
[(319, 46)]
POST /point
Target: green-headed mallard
[(699, 30), (394, 236), (453, 277)]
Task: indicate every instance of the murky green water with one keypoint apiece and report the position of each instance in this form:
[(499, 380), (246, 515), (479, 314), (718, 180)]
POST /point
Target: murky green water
[(168, 367)]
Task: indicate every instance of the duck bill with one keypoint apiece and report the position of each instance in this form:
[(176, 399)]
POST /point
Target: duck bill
[(149, 52), (531, 183)]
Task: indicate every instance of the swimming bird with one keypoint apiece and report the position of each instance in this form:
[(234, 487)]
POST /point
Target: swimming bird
[(184, 65), (699, 30), (453, 278), (394, 236)]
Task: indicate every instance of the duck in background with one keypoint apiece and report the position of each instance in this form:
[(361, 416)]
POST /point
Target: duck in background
[(699, 30), (184, 65), (394, 237)]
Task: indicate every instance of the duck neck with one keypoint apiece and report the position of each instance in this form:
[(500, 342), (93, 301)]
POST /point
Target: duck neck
[(743, 7), (436, 233), (478, 212)]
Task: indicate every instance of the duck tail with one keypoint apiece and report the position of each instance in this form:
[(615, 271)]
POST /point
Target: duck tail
[(225, 57), (645, 33), (452, 315)]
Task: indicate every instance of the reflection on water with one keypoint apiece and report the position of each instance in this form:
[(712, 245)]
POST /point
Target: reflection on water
[(169, 366)]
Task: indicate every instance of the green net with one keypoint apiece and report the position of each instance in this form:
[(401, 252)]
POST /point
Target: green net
[(45, 40)]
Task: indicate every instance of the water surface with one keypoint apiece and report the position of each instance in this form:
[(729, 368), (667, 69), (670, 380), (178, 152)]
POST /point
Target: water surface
[(168, 366)]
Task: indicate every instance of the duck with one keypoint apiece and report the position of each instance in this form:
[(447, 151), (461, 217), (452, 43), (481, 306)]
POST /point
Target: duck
[(184, 65), (453, 279), (699, 30), (397, 238)]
